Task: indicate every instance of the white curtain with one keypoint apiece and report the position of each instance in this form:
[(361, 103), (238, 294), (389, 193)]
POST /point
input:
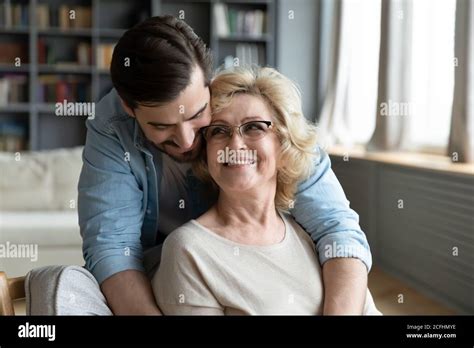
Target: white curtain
[(408, 85), (332, 124), (394, 88), (349, 41), (461, 139)]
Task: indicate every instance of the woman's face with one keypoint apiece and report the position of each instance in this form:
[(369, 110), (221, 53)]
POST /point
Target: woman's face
[(245, 163)]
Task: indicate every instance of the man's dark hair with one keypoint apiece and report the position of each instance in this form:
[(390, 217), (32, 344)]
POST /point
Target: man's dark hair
[(153, 61)]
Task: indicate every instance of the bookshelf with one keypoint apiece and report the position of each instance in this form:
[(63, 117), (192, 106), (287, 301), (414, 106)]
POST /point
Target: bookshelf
[(61, 58), (244, 30), (249, 39)]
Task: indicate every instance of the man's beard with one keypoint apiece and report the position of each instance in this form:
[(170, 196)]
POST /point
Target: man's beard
[(184, 157)]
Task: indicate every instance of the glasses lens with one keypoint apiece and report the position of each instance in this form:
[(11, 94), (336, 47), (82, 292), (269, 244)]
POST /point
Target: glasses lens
[(217, 132), (254, 130)]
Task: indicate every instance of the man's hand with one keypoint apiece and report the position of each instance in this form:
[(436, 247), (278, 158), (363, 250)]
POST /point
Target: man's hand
[(345, 286), (129, 293)]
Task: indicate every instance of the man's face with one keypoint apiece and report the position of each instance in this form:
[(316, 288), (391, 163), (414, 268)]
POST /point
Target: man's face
[(174, 127)]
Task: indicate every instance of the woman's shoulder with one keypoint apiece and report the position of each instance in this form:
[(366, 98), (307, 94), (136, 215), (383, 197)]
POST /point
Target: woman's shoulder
[(185, 238), (183, 235), (297, 229), (289, 219)]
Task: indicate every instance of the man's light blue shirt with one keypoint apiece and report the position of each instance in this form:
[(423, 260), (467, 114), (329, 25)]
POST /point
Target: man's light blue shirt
[(119, 206)]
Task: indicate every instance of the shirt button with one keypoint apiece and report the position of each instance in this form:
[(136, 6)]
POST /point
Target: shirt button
[(148, 211), (147, 168)]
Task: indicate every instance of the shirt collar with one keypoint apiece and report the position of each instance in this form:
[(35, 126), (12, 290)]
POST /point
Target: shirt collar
[(139, 138)]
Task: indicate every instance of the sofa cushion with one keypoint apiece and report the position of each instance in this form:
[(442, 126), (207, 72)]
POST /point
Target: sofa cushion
[(42, 180), (49, 237), (40, 227), (25, 184), (66, 167)]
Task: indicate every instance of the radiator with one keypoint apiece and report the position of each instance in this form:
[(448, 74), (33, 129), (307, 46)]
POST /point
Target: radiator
[(419, 223)]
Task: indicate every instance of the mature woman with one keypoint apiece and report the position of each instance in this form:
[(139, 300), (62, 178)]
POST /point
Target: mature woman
[(246, 255)]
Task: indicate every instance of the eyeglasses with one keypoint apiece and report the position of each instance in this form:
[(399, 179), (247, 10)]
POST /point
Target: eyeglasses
[(253, 130)]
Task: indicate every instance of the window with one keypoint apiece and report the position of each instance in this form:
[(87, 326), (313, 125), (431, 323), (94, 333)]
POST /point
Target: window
[(363, 19), (420, 56), (432, 76)]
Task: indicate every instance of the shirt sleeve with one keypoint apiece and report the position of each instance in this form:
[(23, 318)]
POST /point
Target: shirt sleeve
[(322, 209), (179, 285), (109, 206)]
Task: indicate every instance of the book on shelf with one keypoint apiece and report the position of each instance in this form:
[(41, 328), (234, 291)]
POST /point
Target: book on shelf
[(84, 53), (46, 53), (13, 89), (12, 136), (234, 22), (249, 54), (221, 19), (54, 88), (42, 16), (64, 16), (74, 17), (11, 51), (104, 55), (42, 51), (13, 15)]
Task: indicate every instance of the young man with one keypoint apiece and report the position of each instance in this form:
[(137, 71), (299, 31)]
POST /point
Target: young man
[(136, 185)]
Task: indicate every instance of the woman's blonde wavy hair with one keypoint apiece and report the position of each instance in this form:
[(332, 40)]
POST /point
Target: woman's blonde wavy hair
[(296, 134)]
